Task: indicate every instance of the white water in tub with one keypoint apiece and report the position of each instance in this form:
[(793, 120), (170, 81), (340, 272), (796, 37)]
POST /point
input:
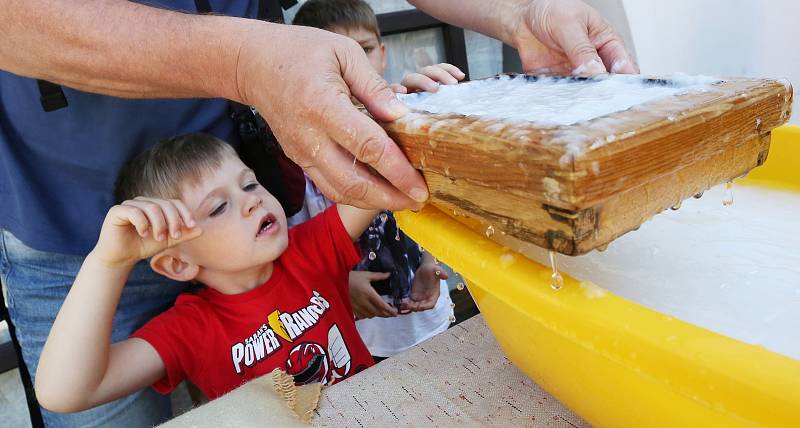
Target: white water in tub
[(734, 270)]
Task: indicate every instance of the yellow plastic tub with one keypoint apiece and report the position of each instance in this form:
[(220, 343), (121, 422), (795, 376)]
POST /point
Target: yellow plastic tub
[(612, 361)]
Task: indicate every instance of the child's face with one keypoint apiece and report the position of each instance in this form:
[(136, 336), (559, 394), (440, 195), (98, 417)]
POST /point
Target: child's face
[(376, 52), (243, 225)]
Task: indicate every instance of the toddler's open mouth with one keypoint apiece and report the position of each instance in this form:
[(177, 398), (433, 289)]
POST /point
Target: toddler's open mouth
[(268, 222)]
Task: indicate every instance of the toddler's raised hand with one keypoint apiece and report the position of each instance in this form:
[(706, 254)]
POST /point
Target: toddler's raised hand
[(429, 78), (140, 228)]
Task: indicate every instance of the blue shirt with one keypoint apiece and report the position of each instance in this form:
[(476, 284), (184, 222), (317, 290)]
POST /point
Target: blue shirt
[(57, 169)]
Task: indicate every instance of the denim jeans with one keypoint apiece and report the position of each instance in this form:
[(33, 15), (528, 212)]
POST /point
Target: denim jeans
[(37, 283)]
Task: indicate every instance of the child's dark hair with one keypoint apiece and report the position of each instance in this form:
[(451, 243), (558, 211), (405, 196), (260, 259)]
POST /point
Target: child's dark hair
[(346, 14), (160, 171)]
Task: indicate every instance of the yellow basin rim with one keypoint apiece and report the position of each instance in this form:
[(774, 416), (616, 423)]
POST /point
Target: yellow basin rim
[(612, 361)]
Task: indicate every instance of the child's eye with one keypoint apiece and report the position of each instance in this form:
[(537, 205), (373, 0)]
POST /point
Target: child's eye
[(218, 210), (250, 187), (368, 49)]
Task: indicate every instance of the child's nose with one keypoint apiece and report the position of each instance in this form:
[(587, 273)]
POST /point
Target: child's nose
[(251, 204)]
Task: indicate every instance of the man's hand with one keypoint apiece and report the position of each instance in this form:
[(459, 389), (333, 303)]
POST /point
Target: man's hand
[(564, 37), (140, 228), (367, 303), (429, 78), (306, 100), (425, 289)]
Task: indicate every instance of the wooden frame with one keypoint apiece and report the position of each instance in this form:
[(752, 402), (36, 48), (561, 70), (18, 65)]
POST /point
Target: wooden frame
[(575, 188)]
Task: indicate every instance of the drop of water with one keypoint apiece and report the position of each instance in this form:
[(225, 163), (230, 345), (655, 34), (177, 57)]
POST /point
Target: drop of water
[(397, 235), (676, 207), (384, 217), (452, 305), (372, 255), (452, 318), (727, 200), (602, 248), (421, 250), (435, 261), (556, 280), (698, 195), (460, 286), (437, 273), (489, 231)]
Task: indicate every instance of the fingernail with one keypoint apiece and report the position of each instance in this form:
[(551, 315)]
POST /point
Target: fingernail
[(177, 234), (419, 194), (589, 68), (397, 108), (619, 65), (160, 237)]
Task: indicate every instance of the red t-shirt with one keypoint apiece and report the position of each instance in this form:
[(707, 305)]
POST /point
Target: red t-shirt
[(300, 320)]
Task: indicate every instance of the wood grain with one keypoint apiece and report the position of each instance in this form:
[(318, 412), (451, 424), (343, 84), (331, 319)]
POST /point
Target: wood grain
[(575, 188)]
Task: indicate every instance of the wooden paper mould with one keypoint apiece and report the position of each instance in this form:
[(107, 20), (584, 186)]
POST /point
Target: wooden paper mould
[(575, 188)]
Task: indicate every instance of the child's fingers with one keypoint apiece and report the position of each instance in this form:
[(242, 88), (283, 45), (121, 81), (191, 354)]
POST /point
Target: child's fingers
[(158, 224), (438, 74), (419, 82), (171, 215), (382, 309), (186, 235), (443, 274), (186, 215), (135, 217), (377, 276), (398, 88), (452, 69)]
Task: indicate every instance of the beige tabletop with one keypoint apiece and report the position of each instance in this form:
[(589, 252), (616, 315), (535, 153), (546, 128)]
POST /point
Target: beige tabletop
[(459, 376)]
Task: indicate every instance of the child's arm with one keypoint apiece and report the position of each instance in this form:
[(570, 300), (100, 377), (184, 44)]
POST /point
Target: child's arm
[(428, 78), (79, 367), (355, 220)]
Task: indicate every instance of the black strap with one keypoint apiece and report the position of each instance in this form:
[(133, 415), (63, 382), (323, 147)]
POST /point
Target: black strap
[(51, 96), (203, 6), (268, 10), (24, 374)]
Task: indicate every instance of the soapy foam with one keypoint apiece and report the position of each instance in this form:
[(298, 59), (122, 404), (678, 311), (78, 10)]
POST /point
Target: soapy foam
[(552, 101)]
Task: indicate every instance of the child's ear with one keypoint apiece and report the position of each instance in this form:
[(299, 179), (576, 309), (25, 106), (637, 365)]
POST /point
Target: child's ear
[(170, 264)]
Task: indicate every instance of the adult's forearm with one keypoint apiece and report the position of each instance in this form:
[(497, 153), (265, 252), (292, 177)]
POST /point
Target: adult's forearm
[(121, 48), (485, 16)]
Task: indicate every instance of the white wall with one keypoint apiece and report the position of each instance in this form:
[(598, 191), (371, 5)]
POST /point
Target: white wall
[(758, 38)]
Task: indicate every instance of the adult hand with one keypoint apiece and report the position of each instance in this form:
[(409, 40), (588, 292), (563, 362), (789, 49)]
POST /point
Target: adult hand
[(566, 36), (367, 303), (301, 80)]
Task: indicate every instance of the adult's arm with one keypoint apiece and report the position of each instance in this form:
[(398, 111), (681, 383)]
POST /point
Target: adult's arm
[(300, 78), (552, 36)]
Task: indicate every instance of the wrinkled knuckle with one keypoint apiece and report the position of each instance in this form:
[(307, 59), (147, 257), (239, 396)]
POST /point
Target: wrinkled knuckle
[(355, 191), (372, 150), (582, 49)]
